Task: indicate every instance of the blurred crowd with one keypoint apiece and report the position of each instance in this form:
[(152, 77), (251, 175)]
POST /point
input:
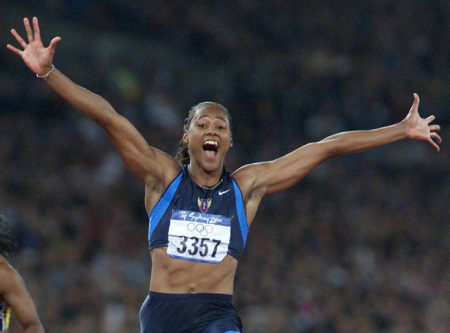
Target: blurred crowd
[(362, 244)]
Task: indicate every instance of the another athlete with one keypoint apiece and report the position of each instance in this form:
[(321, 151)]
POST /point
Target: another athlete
[(14, 296)]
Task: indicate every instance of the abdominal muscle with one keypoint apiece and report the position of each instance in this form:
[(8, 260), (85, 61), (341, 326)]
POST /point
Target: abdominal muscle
[(178, 276)]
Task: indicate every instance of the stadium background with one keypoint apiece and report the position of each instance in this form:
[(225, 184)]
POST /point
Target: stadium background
[(362, 244)]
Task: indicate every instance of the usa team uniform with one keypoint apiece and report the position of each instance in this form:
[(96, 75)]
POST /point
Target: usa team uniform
[(203, 225)]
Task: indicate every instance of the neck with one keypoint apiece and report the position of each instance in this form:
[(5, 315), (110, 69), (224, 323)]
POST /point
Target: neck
[(205, 179)]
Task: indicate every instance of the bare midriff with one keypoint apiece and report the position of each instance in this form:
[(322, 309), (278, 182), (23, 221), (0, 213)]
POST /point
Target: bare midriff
[(177, 276)]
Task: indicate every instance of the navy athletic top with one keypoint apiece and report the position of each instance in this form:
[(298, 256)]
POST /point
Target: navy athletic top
[(197, 223)]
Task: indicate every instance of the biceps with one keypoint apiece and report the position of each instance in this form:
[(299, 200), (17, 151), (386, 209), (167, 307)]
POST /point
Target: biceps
[(286, 171), (139, 157)]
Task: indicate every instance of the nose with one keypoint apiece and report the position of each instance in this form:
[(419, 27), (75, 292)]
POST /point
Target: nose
[(211, 131)]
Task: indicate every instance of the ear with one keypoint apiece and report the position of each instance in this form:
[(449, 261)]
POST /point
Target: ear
[(231, 142), (185, 137)]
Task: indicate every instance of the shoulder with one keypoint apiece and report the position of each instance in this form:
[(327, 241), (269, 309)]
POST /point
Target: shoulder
[(5, 266), (247, 178), (8, 275), (248, 174)]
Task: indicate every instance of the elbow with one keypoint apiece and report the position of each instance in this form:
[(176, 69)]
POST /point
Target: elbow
[(330, 148), (107, 116)]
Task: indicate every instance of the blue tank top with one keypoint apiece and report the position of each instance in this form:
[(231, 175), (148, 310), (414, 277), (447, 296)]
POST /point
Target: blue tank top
[(197, 223)]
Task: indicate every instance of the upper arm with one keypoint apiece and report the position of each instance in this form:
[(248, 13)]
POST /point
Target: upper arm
[(259, 179), (147, 163), (284, 172), (16, 295)]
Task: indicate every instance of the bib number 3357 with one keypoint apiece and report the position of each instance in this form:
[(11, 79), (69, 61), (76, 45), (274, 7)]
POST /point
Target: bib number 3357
[(197, 240)]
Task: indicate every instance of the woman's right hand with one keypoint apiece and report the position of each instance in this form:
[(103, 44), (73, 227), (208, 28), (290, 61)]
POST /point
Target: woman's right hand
[(37, 57)]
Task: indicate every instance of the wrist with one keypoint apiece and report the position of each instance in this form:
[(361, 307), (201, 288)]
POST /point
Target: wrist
[(46, 74), (402, 129), (403, 124)]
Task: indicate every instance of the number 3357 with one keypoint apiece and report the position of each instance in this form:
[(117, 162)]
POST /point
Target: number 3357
[(202, 246)]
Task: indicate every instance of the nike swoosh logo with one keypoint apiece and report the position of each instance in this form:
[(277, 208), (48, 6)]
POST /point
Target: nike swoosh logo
[(223, 192)]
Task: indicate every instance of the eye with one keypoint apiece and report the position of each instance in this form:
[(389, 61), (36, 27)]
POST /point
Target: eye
[(220, 125)]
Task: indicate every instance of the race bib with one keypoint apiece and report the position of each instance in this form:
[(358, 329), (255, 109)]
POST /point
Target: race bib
[(198, 236)]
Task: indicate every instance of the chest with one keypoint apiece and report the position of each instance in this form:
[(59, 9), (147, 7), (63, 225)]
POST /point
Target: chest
[(218, 201)]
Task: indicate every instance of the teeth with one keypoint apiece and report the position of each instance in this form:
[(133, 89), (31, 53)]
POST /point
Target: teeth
[(211, 143)]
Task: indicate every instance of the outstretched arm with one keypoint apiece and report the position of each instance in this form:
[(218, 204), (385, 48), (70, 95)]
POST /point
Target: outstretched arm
[(257, 180), (150, 165), (411, 127)]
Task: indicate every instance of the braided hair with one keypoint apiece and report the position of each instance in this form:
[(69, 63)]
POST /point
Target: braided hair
[(7, 240), (182, 156)]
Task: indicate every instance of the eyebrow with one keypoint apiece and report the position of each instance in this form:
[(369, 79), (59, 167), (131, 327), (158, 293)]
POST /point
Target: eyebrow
[(207, 115)]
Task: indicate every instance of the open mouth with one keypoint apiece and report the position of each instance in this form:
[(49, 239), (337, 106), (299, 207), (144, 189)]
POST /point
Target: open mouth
[(211, 148)]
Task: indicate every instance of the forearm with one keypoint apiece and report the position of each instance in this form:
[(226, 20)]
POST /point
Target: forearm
[(356, 141), (88, 103)]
